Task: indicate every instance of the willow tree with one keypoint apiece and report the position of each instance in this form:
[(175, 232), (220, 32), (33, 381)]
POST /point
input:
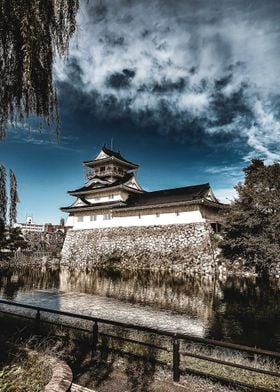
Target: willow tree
[(3, 195), (14, 199), (32, 33)]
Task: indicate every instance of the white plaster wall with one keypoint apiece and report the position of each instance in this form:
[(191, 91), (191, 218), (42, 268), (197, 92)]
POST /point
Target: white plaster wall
[(122, 196), (145, 220), (101, 199), (70, 221)]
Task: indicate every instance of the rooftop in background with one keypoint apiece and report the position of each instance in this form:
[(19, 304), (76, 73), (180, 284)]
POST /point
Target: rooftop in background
[(106, 155)]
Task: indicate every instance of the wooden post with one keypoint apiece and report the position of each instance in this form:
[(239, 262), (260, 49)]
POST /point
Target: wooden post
[(37, 321), (176, 360), (94, 337)]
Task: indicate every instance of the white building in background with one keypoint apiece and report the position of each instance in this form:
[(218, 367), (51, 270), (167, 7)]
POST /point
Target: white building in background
[(29, 225), (112, 197)]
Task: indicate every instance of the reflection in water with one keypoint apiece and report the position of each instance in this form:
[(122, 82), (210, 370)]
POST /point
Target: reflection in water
[(162, 290), (243, 310), (14, 280)]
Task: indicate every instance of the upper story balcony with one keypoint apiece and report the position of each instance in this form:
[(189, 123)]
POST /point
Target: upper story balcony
[(104, 171)]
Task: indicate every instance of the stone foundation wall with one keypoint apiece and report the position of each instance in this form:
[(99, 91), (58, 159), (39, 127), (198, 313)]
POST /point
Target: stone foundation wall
[(185, 248)]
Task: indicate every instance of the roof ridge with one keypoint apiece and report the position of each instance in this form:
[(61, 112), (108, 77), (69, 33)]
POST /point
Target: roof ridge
[(178, 188), (112, 154)]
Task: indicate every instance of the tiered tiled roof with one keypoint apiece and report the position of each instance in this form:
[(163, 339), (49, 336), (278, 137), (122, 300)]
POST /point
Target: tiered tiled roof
[(137, 198), (91, 186), (111, 154), (185, 195), (188, 193)]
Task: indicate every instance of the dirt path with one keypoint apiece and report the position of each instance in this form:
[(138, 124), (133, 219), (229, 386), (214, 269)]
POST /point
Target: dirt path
[(130, 375)]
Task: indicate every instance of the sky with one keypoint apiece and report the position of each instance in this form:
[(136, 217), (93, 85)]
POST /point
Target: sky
[(188, 89)]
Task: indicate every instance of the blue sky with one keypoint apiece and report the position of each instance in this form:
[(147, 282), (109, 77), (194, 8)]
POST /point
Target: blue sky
[(189, 90)]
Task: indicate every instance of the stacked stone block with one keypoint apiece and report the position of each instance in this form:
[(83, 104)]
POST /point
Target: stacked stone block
[(185, 248)]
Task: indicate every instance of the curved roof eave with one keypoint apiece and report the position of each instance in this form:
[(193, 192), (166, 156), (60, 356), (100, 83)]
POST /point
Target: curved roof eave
[(99, 162), (122, 206), (96, 190)]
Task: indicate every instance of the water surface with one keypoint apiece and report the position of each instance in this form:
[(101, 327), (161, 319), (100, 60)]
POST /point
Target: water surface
[(241, 310)]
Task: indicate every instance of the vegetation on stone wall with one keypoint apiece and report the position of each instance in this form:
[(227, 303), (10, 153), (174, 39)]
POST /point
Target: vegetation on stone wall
[(45, 242), (252, 226)]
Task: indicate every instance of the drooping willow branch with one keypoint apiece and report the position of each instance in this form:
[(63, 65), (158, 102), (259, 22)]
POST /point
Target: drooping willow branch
[(32, 32)]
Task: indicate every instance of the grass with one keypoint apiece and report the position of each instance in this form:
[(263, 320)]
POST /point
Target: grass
[(244, 376), (139, 367), (22, 370), (204, 366)]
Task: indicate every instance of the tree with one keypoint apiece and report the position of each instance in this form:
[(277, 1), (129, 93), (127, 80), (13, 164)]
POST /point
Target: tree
[(32, 32), (11, 238), (252, 226), (2, 235), (13, 198), (15, 239), (3, 195), (4, 199)]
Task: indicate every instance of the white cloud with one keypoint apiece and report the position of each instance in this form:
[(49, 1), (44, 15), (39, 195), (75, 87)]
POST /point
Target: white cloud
[(179, 51), (195, 103), (264, 134), (231, 170), (225, 195)]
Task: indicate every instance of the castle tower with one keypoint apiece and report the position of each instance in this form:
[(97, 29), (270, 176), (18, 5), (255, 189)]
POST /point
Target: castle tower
[(112, 197), (111, 180), (109, 166)]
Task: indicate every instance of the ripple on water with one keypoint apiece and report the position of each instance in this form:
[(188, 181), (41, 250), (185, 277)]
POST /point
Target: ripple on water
[(113, 309)]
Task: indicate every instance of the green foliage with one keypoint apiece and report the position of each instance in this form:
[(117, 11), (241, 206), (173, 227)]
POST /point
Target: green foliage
[(4, 199), (44, 242), (3, 194), (2, 234), (24, 371), (252, 226), (32, 33), (13, 198), (15, 239), (11, 240)]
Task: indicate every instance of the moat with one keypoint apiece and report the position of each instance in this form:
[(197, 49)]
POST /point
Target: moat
[(241, 310)]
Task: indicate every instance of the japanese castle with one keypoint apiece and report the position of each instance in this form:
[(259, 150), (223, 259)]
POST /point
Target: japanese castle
[(112, 197)]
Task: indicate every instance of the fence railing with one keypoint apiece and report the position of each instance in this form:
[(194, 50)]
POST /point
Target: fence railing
[(175, 337)]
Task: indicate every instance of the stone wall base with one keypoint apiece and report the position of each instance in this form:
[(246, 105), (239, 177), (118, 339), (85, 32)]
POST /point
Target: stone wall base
[(185, 248)]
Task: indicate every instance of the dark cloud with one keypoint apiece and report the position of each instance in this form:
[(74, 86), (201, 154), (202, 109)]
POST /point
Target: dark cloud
[(223, 82), (119, 80), (183, 67), (74, 72), (226, 109), (98, 12), (112, 40)]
